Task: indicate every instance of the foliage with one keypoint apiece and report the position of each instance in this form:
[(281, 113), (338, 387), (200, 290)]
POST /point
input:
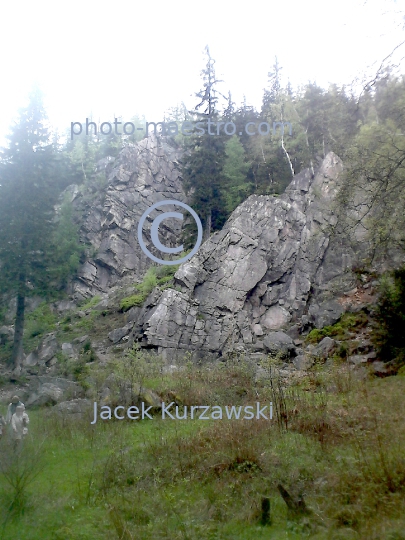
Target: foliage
[(388, 331), (19, 467), (87, 323), (146, 286), (204, 158), (68, 251), (347, 322), (77, 367), (136, 367), (373, 194), (236, 187), (132, 301), (31, 181), (81, 153), (39, 322), (155, 276), (32, 176), (91, 303), (343, 451)]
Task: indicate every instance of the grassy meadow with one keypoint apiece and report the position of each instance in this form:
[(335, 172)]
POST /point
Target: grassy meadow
[(335, 446)]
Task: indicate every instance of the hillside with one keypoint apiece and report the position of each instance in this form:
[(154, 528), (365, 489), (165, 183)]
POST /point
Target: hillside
[(276, 307)]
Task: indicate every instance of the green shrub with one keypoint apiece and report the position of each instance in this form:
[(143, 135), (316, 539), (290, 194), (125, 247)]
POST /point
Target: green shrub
[(154, 276), (148, 283), (316, 335), (167, 270), (343, 350), (38, 322), (388, 330), (6, 352), (164, 280), (91, 303), (131, 301), (87, 346), (340, 330), (88, 354), (77, 368), (144, 289), (87, 323)]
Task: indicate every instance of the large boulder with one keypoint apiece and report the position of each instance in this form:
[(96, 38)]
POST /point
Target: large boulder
[(45, 390), (44, 352), (69, 351), (46, 394), (116, 335), (280, 343), (6, 334), (302, 362), (326, 314), (75, 408), (325, 348), (122, 392)]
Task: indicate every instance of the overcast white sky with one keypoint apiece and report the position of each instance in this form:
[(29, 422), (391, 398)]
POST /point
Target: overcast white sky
[(127, 57)]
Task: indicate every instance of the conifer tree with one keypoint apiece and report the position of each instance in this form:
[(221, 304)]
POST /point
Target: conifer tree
[(204, 160), (236, 185), (31, 178)]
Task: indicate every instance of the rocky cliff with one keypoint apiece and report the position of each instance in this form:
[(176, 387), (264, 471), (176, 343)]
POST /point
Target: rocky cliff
[(142, 175), (277, 264), (280, 263)]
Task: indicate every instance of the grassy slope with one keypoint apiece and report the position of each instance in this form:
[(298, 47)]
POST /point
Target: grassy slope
[(194, 480)]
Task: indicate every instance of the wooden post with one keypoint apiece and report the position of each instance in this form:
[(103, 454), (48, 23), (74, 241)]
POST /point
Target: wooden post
[(295, 506), (266, 519)]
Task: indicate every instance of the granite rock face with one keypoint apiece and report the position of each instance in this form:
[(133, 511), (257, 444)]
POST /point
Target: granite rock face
[(275, 264), (278, 264), (141, 176)]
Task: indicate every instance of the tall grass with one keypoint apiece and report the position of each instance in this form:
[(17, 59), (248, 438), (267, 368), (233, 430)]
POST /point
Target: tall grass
[(340, 451)]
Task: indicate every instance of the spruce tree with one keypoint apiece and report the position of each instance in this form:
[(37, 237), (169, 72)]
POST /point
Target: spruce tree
[(236, 186), (204, 160), (31, 179)]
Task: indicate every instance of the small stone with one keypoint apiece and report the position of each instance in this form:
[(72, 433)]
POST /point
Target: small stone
[(357, 359), (67, 350), (257, 330), (303, 362), (324, 348)]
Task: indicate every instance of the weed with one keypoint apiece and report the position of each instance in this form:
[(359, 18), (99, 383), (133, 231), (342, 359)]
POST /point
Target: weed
[(87, 323), (154, 277), (90, 303), (343, 451), (388, 330), (347, 322), (131, 301), (19, 468), (38, 322)]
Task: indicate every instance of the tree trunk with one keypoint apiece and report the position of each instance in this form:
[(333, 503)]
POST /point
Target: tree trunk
[(287, 156), (282, 144), (18, 350), (309, 152)]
